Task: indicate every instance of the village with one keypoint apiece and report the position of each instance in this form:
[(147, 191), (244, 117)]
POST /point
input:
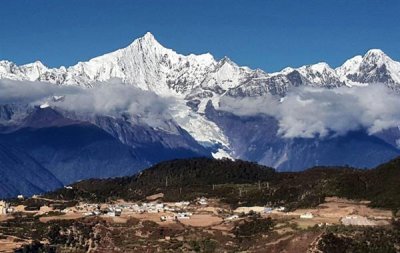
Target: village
[(204, 212)]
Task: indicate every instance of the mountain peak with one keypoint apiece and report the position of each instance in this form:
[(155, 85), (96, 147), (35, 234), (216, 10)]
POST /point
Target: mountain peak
[(375, 51), (38, 64), (148, 36), (376, 56), (226, 59), (147, 40)]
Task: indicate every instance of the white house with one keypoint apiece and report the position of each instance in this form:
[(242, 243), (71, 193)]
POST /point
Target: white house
[(203, 201), (233, 217), (4, 206), (307, 216)]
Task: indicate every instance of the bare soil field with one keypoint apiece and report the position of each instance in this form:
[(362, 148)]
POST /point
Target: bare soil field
[(5, 217), (332, 211), (202, 220), (10, 244), (69, 216)]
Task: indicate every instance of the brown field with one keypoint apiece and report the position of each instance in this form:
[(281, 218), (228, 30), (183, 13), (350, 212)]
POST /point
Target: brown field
[(333, 210), (5, 217), (202, 220), (10, 244), (69, 216)]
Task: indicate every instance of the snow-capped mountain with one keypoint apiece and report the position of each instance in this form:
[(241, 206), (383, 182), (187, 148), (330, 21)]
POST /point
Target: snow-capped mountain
[(374, 67), (195, 80), (148, 65)]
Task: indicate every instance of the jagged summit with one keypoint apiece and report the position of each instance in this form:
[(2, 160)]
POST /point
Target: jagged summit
[(147, 40), (375, 51), (147, 64), (374, 67), (148, 36)]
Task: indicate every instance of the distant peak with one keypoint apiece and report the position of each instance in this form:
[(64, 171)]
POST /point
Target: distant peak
[(146, 40), (148, 36), (36, 64), (227, 60), (375, 54), (375, 51), (320, 67)]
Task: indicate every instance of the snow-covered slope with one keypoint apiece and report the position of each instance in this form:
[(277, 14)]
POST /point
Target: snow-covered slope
[(31, 72), (194, 80)]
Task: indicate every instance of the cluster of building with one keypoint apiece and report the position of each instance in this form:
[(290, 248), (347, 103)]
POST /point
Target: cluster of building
[(259, 209), (272, 209), (176, 216), (150, 207)]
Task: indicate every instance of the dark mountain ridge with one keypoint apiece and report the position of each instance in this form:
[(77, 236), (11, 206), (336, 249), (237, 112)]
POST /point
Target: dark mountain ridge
[(74, 149), (245, 183)]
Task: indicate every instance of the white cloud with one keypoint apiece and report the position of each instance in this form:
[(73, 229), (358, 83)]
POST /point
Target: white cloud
[(115, 99), (308, 112), (305, 112)]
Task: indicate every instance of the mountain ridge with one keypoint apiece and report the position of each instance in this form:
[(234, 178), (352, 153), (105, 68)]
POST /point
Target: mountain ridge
[(148, 65)]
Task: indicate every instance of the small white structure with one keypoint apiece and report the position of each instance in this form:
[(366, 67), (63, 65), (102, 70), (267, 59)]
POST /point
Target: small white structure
[(4, 206), (20, 197), (152, 210), (203, 201), (118, 211), (180, 216), (182, 204), (306, 216), (233, 217), (88, 214), (111, 214), (167, 218), (159, 207)]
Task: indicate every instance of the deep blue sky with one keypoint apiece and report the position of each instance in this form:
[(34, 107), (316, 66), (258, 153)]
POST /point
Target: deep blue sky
[(261, 34)]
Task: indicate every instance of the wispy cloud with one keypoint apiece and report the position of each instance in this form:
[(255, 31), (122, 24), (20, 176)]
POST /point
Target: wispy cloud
[(308, 112), (115, 99)]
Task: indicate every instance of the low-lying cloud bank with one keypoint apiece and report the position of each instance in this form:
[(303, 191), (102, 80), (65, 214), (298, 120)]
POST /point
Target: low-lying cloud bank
[(311, 112), (110, 98), (305, 112)]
